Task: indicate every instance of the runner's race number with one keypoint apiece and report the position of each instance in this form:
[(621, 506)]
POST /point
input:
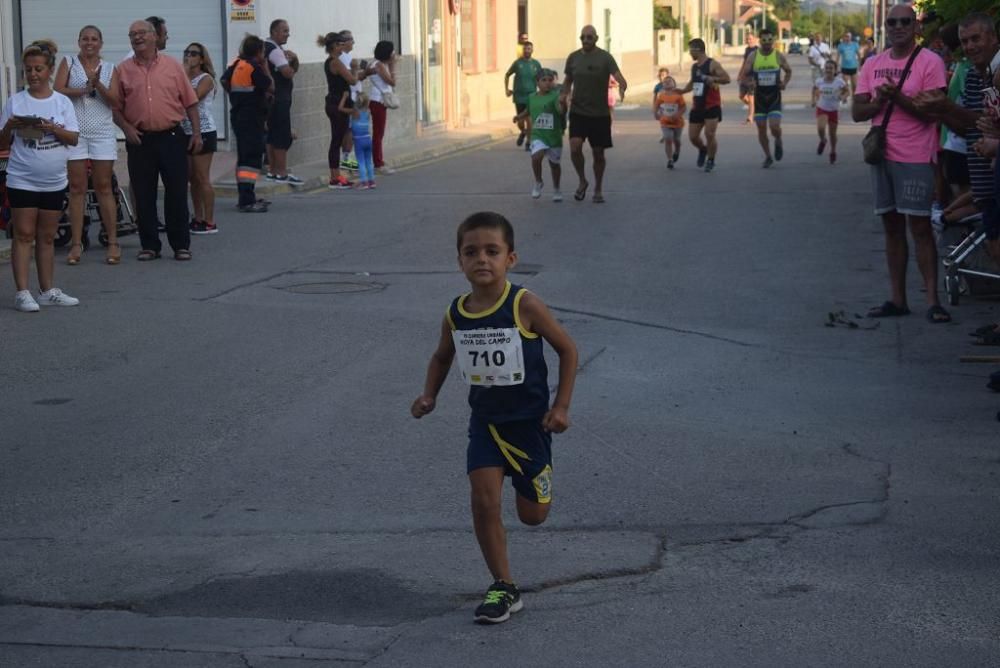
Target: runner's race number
[(489, 357)]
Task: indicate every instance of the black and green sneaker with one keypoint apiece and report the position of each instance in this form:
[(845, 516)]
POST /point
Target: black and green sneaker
[(502, 598)]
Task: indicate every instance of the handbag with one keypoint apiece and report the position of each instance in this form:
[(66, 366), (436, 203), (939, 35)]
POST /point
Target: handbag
[(389, 98), (873, 145)]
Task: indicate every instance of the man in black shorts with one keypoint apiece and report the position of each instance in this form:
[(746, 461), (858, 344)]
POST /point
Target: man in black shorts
[(283, 64), (588, 71), (706, 108)]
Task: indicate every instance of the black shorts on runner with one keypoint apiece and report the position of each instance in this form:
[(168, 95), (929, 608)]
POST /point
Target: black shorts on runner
[(279, 124), (32, 199), (595, 129), (766, 103), (701, 115), (848, 70)]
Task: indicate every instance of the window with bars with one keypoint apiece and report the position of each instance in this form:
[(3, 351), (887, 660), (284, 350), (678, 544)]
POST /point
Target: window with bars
[(388, 23)]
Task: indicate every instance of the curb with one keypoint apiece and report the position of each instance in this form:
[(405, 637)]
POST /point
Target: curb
[(228, 188)]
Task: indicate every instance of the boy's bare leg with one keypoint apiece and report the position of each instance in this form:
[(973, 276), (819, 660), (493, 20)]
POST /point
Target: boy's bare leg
[(487, 491), (556, 174), (530, 512), (536, 165), (833, 137)]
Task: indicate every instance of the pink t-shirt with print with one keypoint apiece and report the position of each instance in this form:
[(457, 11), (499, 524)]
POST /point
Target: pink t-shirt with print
[(908, 138)]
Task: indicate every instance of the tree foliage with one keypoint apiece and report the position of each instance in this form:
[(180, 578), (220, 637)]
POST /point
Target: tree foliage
[(948, 11)]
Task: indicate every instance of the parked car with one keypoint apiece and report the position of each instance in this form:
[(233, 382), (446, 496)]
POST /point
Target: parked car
[(795, 47)]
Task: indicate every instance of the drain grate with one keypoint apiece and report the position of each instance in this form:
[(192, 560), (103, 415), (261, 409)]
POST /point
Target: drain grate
[(332, 287)]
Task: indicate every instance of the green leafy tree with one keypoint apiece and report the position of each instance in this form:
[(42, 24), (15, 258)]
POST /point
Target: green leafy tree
[(664, 19), (953, 10)]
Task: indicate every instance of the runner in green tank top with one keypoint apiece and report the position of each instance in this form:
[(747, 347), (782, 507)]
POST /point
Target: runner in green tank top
[(525, 72)]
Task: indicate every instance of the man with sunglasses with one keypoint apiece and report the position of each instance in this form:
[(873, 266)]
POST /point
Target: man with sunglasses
[(763, 68), (903, 182), (588, 71)]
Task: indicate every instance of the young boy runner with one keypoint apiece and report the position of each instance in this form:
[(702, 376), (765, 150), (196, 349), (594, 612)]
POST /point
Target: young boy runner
[(496, 332), (545, 115), (828, 93), (668, 108), (525, 71)]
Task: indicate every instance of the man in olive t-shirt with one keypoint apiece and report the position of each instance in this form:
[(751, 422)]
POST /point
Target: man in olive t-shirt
[(588, 72), (525, 70)]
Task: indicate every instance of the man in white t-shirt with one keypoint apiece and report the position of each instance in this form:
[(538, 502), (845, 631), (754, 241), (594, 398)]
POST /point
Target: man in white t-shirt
[(283, 64), (819, 53)]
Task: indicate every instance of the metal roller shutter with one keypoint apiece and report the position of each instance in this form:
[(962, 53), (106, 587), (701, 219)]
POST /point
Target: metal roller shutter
[(187, 21)]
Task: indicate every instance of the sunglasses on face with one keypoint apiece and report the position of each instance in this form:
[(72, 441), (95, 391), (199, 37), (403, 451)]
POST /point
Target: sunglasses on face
[(903, 22), (190, 52), (137, 33), (588, 36)]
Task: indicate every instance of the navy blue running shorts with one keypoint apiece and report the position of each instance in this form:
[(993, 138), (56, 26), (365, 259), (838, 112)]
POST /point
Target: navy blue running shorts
[(522, 449)]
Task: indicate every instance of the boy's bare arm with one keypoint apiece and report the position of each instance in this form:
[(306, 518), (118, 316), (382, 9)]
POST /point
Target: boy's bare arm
[(540, 320), (437, 372)]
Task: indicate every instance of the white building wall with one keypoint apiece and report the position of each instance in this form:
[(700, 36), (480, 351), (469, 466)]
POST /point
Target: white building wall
[(8, 59)]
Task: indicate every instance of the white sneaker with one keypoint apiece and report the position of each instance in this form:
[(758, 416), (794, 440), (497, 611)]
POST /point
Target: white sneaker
[(56, 297), (23, 301), (536, 191), (385, 170), (556, 196)]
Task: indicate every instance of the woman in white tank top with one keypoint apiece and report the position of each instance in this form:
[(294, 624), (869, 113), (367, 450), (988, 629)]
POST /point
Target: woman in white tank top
[(198, 64), (382, 77), (92, 85)]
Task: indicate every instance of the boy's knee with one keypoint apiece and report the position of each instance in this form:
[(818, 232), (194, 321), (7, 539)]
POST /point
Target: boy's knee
[(532, 514)]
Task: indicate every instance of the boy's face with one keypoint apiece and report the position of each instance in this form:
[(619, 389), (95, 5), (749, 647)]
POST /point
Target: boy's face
[(484, 257), (545, 84)]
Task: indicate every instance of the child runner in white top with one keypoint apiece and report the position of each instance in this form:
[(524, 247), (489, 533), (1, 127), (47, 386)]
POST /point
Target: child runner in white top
[(828, 92)]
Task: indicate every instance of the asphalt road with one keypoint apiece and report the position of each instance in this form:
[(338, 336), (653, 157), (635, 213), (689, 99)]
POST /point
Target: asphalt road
[(213, 464)]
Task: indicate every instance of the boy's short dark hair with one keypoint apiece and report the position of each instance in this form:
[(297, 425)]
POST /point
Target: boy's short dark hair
[(488, 220)]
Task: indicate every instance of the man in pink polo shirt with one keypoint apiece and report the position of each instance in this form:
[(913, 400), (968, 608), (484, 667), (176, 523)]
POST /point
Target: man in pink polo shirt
[(155, 95), (903, 182)]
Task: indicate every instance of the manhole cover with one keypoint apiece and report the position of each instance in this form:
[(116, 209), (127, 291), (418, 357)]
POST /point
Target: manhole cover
[(332, 287)]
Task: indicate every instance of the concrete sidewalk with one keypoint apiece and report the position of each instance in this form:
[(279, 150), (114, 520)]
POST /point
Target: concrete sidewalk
[(399, 155)]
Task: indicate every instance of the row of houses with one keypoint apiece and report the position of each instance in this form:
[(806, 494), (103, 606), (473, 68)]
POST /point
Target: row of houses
[(453, 53)]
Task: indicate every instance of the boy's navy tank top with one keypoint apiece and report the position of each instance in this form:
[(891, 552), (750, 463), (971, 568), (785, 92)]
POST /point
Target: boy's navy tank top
[(530, 399)]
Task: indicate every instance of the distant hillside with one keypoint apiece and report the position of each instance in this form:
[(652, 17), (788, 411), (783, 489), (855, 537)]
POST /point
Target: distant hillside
[(840, 7)]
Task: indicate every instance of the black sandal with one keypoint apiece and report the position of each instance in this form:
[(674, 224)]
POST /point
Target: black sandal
[(147, 255), (887, 310), (936, 314)]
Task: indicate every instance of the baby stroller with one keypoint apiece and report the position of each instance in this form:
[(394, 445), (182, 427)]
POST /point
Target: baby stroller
[(124, 218), (968, 267)]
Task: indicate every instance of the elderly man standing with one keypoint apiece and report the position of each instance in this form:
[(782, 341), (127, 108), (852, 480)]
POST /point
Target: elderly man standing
[(155, 95), (588, 71), (283, 64), (903, 182)]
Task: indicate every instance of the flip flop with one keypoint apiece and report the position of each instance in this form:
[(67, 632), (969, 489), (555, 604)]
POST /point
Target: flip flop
[(598, 198), (937, 314), (581, 193), (147, 255), (888, 309)]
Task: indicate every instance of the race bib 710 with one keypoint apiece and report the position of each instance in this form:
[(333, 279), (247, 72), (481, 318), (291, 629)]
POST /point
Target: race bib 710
[(489, 357)]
